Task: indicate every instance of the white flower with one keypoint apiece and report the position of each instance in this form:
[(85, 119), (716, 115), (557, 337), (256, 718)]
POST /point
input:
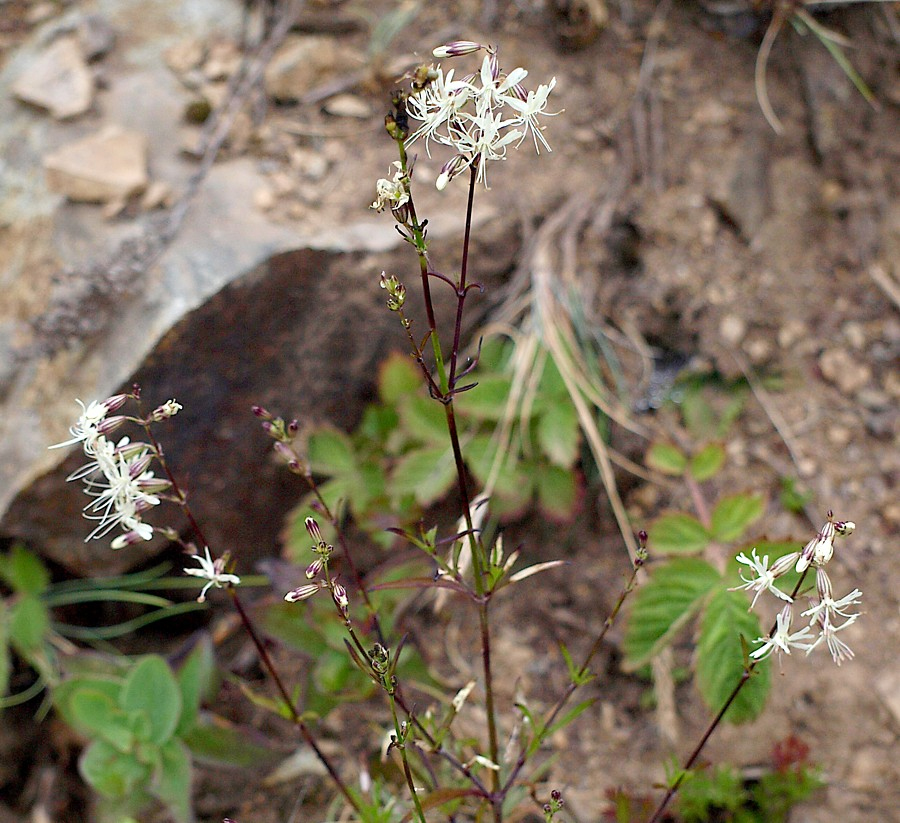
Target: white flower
[(827, 604), (87, 429), (781, 639), (393, 192), (479, 116), (765, 577), (213, 571), (838, 649)]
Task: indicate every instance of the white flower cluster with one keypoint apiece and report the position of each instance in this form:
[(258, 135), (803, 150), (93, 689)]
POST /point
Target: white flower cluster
[(479, 116), (118, 475), (826, 616)]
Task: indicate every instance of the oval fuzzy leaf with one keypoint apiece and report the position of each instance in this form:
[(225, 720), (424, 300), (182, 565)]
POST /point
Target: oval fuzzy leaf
[(720, 660), (195, 679), (677, 533), (29, 623), (733, 515), (23, 571), (98, 713), (707, 462), (151, 688), (666, 458), (661, 607), (111, 773), (172, 783), (425, 473)]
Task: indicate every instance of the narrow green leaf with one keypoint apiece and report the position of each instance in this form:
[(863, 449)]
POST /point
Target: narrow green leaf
[(151, 687), (661, 607), (195, 679), (707, 462), (426, 473), (677, 533), (215, 740), (109, 772), (24, 571), (29, 623), (558, 434), (172, 781), (98, 713), (733, 515), (666, 458), (330, 452), (398, 376), (720, 662)]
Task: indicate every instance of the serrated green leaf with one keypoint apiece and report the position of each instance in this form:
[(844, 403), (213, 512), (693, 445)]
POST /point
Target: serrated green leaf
[(376, 426), (24, 571), (330, 452), (733, 515), (699, 417), (423, 420), (98, 714), (557, 491), (558, 434), (150, 687), (662, 606), (29, 623), (214, 740), (172, 781), (666, 458), (707, 462), (677, 533), (427, 474), (720, 662), (398, 376), (487, 401), (195, 680), (109, 772)]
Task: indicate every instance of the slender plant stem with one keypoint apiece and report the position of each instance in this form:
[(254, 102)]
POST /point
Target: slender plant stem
[(400, 738)]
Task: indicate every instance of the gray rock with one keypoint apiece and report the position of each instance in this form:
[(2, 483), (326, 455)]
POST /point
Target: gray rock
[(57, 80)]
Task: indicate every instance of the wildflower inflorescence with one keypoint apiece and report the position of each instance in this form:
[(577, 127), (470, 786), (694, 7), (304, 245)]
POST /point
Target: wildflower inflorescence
[(119, 478), (117, 475), (479, 116), (825, 615)]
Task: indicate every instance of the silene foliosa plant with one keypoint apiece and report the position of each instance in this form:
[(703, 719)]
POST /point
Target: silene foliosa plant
[(143, 718)]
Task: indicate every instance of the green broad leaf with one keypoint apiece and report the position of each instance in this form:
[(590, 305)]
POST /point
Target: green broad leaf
[(216, 741), (698, 415), (65, 691), (707, 462), (552, 383), (195, 680), (558, 434), (557, 491), (675, 592), (423, 419), (330, 452), (151, 687), (111, 773), (377, 424), (398, 376), (733, 515), (23, 571), (427, 474), (677, 533), (172, 780), (288, 623), (29, 623), (720, 662), (97, 713), (487, 401), (667, 459)]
